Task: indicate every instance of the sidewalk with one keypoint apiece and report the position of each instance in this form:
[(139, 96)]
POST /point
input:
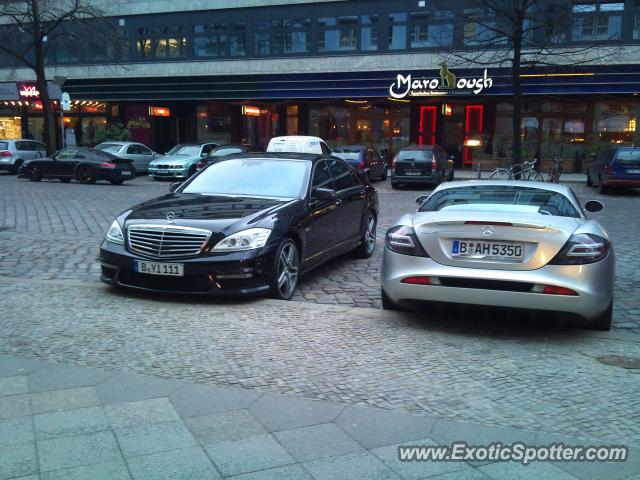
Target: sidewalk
[(67, 422), (466, 174)]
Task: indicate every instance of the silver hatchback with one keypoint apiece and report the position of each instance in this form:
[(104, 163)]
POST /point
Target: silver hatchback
[(138, 153), (14, 153), (522, 245)]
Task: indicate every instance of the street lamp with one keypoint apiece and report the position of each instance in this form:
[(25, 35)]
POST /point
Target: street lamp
[(60, 81)]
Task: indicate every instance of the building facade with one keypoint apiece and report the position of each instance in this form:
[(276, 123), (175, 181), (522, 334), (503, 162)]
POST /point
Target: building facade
[(349, 71)]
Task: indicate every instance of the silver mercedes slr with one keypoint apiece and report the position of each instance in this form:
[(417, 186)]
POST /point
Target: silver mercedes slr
[(522, 245)]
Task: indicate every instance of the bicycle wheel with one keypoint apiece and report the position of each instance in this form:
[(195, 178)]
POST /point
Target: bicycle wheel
[(537, 177), (501, 174)]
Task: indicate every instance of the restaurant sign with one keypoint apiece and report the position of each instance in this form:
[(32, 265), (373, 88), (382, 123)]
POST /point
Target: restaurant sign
[(448, 83)]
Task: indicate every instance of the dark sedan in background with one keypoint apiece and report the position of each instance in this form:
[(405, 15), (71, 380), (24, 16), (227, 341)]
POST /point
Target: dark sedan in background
[(364, 159), (225, 150), (246, 224), (421, 164), (615, 167), (86, 165)]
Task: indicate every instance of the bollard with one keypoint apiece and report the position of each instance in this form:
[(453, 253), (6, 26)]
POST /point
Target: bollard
[(479, 172)]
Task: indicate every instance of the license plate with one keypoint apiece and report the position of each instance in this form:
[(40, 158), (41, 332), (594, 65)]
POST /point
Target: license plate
[(487, 250), (162, 171), (156, 268), (633, 171), (125, 173), (413, 174)]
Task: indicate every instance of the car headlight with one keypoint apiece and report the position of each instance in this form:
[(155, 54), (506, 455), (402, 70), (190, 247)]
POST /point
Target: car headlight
[(114, 234), (244, 240)]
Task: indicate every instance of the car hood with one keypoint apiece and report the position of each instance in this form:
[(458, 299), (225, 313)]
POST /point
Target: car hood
[(176, 159), (223, 215)]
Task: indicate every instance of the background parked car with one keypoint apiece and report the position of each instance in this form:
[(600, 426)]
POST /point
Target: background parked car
[(423, 164), (224, 150), (14, 152), (615, 167), (181, 161), (87, 165), (138, 153), (364, 159)]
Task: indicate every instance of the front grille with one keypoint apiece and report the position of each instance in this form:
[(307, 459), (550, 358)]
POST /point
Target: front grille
[(166, 241)]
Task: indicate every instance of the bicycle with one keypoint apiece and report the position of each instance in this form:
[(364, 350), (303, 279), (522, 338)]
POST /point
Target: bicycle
[(556, 170), (524, 171)]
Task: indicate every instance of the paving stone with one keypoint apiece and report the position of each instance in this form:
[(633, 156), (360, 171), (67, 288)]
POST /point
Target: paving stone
[(448, 431), (226, 426), (248, 455), (417, 470), (13, 385), (12, 366), (63, 377), (280, 412), (17, 460), (116, 470), (14, 406), (153, 438), (16, 430), (373, 427), (289, 472), (59, 400), (131, 414), (467, 473), (130, 388), (184, 464), (317, 441), (194, 400), (516, 471), (76, 451), (70, 422), (355, 466)]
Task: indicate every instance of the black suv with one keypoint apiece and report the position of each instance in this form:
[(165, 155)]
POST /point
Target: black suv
[(424, 164)]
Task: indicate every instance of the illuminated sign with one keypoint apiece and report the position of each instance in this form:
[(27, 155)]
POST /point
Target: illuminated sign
[(159, 112), (251, 111), (38, 106), (448, 83), (28, 90)]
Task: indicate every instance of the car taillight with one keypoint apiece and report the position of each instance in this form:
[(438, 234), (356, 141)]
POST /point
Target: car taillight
[(421, 280), (5, 153), (434, 164), (393, 164), (582, 248), (361, 166), (108, 165), (403, 239), (200, 165)]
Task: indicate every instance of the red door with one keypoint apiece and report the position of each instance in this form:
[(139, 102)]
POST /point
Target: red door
[(427, 125)]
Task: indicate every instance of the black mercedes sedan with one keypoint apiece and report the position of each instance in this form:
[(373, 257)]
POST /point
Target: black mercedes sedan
[(86, 165), (246, 224)]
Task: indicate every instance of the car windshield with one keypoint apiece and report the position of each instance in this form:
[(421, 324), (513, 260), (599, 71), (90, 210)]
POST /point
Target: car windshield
[(347, 153), (414, 155), (191, 150), (502, 198), (109, 147), (253, 177), (226, 151), (629, 157)]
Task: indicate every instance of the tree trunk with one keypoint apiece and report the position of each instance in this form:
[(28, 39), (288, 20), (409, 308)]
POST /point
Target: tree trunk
[(41, 79)]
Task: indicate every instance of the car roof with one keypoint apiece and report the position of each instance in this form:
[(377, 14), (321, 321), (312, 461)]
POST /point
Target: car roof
[(297, 138), (353, 147), (552, 187), (311, 157), (418, 147)]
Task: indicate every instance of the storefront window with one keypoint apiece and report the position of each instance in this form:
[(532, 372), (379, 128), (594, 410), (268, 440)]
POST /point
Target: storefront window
[(397, 31), (214, 122), (10, 127), (369, 32), (616, 122), (329, 123), (292, 120)]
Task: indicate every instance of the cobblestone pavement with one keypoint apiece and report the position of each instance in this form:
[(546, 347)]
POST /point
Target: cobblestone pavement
[(61, 421), (495, 373), (52, 230)]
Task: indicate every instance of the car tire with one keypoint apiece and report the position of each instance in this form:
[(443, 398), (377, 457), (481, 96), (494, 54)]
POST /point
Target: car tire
[(65, 180), (285, 270), (16, 167), (589, 181), (603, 322), (86, 175), (395, 185), (602, 188), (192, 169), (387, 303), (157, 179), (367, 237), (33, 173)]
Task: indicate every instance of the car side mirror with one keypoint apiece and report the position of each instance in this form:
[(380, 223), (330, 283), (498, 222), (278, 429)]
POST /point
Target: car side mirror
[(204, 154), (323, 194), (421, 199), (174, 186), (593, 206)]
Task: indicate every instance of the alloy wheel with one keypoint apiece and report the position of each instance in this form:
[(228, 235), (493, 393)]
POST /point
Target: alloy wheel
[(288, 269), (370, 233)]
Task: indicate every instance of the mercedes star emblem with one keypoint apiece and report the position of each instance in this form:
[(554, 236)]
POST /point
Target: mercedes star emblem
[(488, 231), (171, 216)]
